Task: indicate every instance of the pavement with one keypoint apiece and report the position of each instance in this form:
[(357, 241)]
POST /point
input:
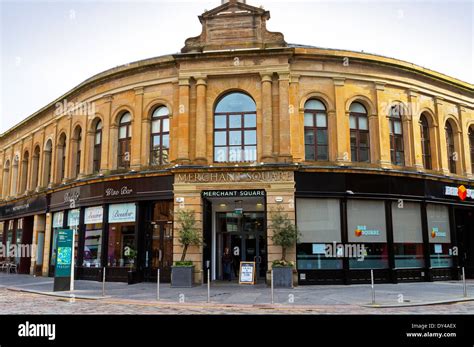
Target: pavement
[(27, 294)]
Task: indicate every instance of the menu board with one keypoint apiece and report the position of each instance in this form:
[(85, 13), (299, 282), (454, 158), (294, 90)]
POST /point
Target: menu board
[(247, 272)]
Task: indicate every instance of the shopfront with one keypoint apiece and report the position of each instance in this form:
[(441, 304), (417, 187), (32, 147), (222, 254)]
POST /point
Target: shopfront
[(402, 228), (24, 227), (114, 224)]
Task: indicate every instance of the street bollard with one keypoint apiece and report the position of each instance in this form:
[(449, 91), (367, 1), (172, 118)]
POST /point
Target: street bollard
[(272, 287), (158, 285), (103, 282), (208, 286), (464, 283), (373, 288)]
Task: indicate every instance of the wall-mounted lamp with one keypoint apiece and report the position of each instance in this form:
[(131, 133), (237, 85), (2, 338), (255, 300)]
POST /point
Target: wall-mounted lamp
[(180, 200), (279, 199)]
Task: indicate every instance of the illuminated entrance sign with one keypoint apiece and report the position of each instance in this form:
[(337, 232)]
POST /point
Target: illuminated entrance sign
[(233, 193)]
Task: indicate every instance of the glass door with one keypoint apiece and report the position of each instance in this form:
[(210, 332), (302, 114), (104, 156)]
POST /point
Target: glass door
[(160, 253)]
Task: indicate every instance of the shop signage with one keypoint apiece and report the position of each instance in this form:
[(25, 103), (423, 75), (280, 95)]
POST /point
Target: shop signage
[(122, 213), (234, 177), (462, 192), (123, 191), (72, 195), (94, 215), (233, 193), (64, 260), (24, 207), (73, 217), (247, 272), (436, 233), (362, 231)]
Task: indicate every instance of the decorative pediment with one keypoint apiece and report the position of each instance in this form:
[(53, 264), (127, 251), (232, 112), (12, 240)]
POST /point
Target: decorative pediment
[(234, 25)]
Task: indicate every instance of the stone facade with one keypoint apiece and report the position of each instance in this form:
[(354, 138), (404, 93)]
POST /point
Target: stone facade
[(235, 52)]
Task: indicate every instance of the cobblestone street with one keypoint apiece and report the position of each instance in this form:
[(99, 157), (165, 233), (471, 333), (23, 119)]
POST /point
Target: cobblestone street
[(22, 294)]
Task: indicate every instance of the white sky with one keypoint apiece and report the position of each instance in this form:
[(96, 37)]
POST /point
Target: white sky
[(48, 47)]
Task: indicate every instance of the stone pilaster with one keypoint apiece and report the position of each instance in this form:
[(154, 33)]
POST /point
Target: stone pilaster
[(285, 123), (48, 228), (296, 120), (443, 166), (267, 115), (340, 124), (417, 152), (383, 133), (201, 126), (465, 144), (183, 121), (136, 145), (108, 135)]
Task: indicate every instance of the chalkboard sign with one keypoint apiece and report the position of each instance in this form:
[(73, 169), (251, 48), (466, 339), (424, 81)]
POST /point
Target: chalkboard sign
[(247, 272)]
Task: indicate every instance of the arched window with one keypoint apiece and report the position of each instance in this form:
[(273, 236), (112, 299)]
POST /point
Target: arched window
[(97, 147), (125, 136), (14, 189), (35, 160), (397, 153), (450, 147), (24, 172), (47, 159), (6, 179), (425, 142), (235, 129), (315, 130), (471, 146), (77, 150), (61, 157), (160, 136), (359, 125)]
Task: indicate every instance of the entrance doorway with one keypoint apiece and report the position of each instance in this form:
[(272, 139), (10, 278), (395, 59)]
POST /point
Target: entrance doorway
[(244, 234), (464, 219), (159, 243)]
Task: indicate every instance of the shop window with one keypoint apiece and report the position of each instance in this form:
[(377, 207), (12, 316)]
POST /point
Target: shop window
[(121, 251), (124, 142), (58, 223), (160, 136), (359, 125), (92, 252), (366, 227), (450, 147), (319, 222), (407, 235), (73, 223), (315, 131), (425, 142), (235, 129), (397, 152), (97, 147), (439, 234)]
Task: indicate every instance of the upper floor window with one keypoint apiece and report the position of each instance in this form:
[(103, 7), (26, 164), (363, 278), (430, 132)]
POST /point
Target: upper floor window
[(450, 147), (77, 149), (471, 146), (359, 125), (235, 129), (315, 130), (397, 153), (97, 146), (160, 136), (425, 142), (125, 136), (61, 157)]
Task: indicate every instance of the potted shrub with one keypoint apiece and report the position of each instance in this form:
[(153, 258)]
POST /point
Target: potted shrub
[(182, 271), (285, 235), (131, 255)]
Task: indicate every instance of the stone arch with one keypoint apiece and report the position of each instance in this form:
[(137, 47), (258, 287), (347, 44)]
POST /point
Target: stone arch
[(152, 105), (364, 101), (319, 96), (121, 110)]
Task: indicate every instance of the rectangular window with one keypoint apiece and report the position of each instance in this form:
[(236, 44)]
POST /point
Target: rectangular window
[(121, 249), (407, 235), (366, 226), (93, 218), (439, 234), (319, 222)]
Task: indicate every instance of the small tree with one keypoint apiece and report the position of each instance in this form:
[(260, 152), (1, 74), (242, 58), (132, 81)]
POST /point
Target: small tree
[(189, 235), (285, 233)]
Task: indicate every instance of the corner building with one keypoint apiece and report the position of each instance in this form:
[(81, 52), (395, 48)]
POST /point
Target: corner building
[(356, 148)]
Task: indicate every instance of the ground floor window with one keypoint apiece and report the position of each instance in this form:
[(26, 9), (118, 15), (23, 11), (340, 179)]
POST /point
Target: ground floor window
[(58, 223), (374, 256), (92, 252), (407, 234), (121, 250), (439, 234)]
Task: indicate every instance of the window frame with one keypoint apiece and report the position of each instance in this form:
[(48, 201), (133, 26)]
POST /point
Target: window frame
[(315, 129), (357, 131), (96, 161), (394, 118), (160, 134), (450, 147), (425, 142), (124, 143)]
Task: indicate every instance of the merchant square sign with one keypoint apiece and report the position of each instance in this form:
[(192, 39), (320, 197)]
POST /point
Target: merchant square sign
[(235, 177)]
